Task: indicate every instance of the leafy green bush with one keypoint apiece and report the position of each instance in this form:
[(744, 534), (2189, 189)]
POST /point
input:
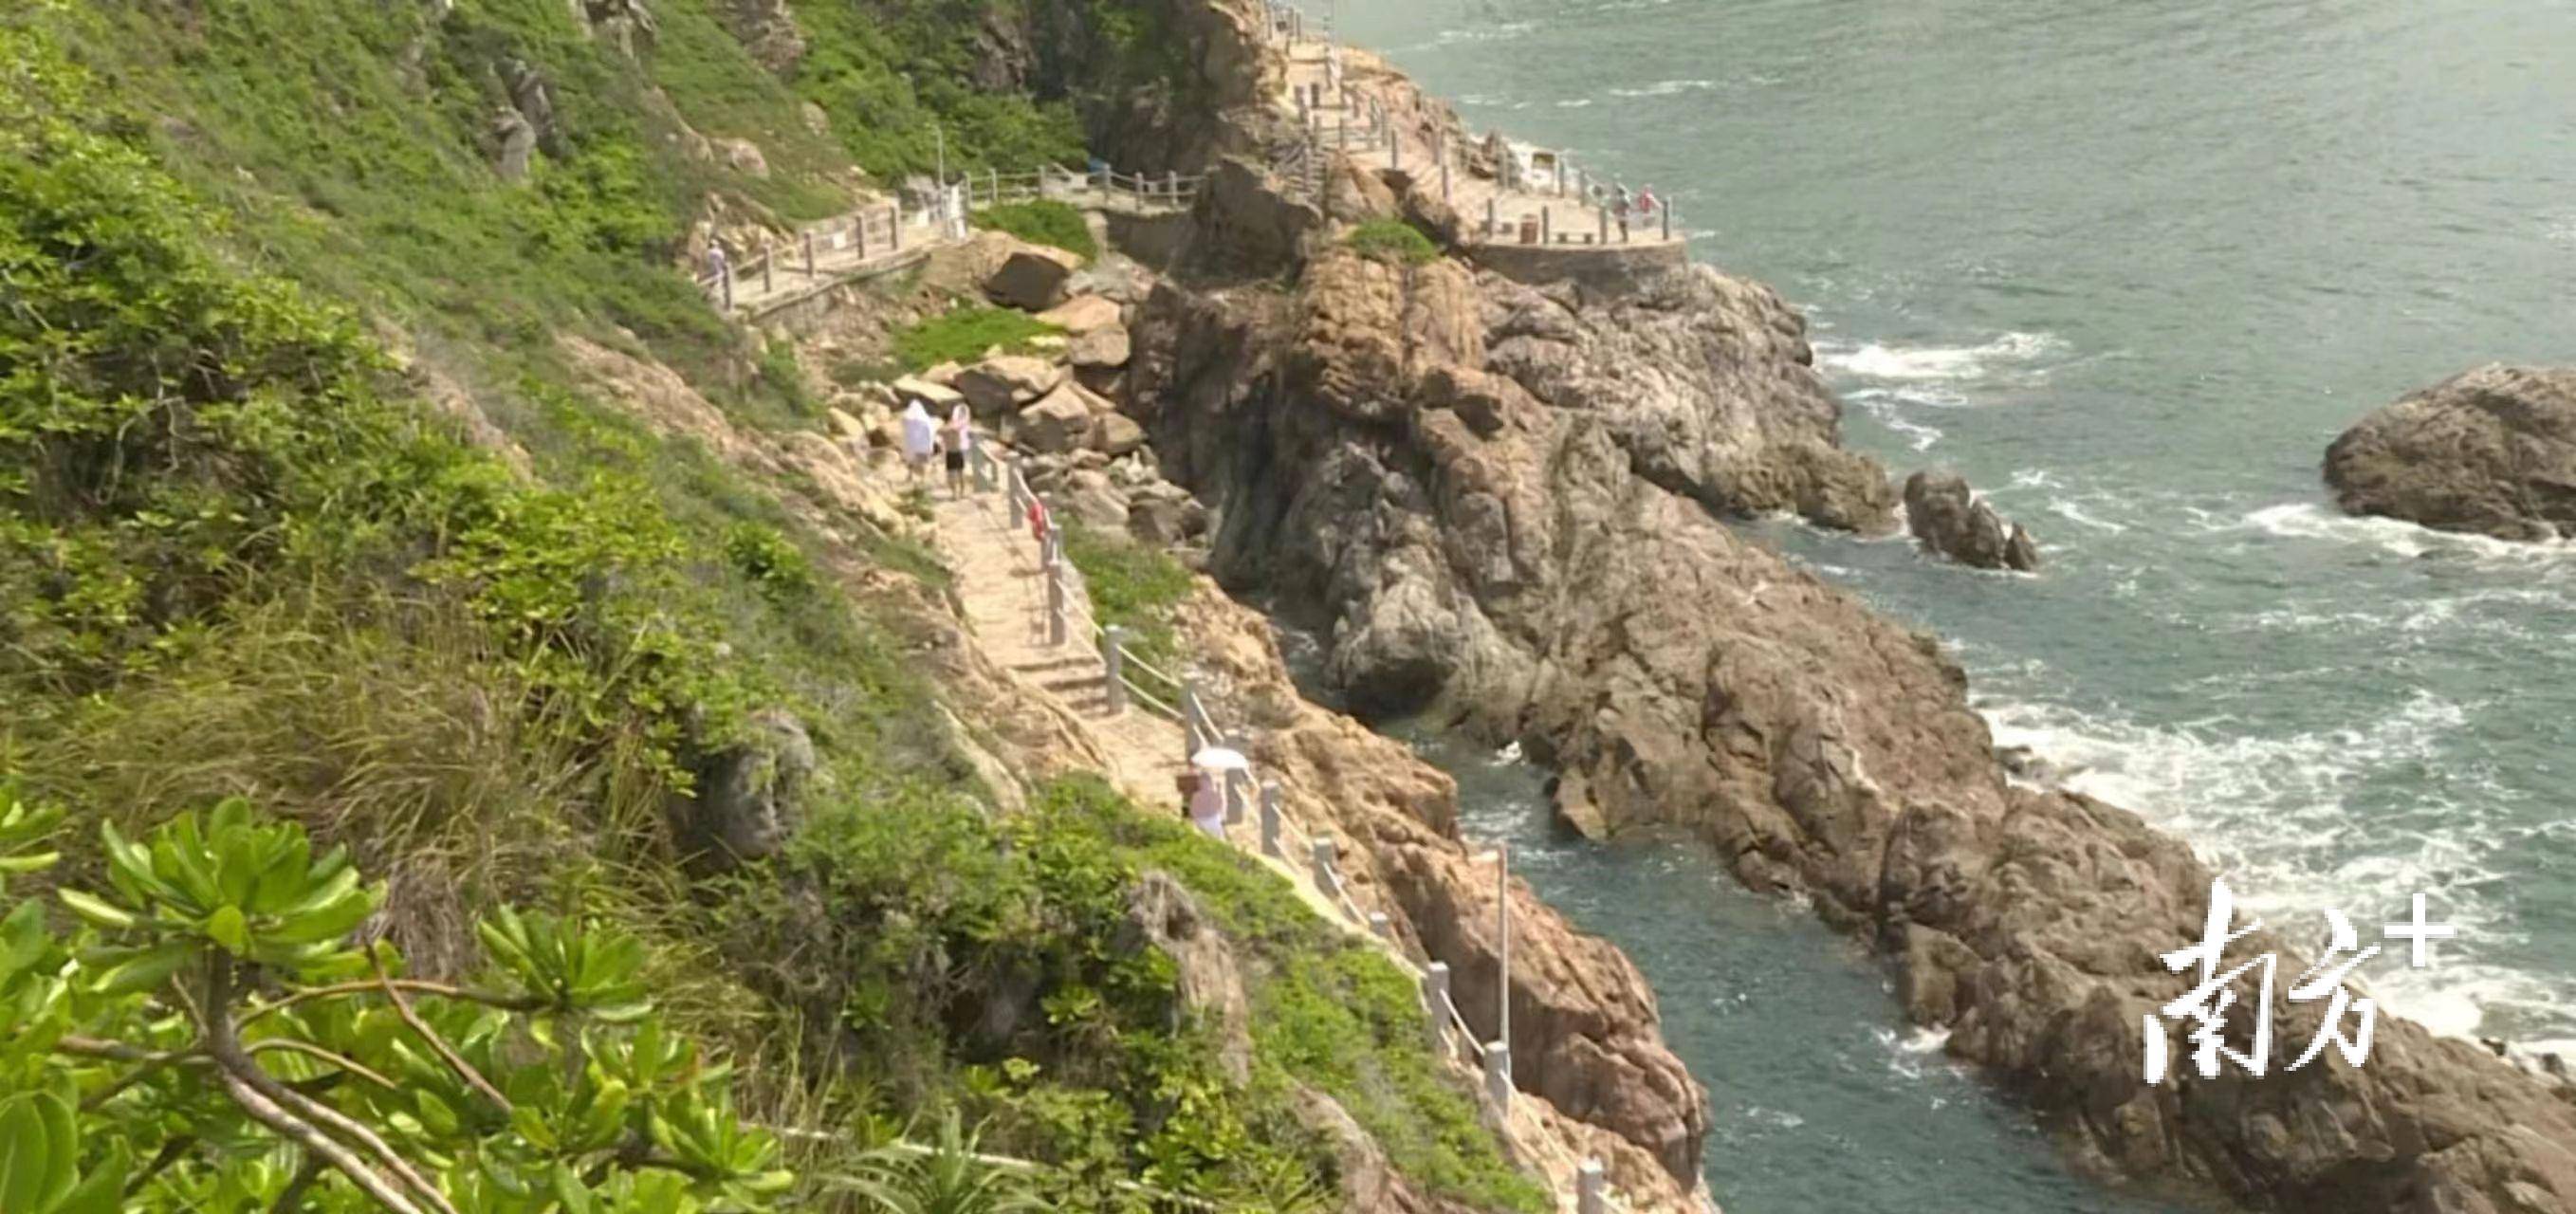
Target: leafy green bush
[(1394, 241), (1043, 221), (1131, 586), (963, 334), (212, 1037)]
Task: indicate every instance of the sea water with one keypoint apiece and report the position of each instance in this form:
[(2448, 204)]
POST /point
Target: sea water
[(2129, 267)]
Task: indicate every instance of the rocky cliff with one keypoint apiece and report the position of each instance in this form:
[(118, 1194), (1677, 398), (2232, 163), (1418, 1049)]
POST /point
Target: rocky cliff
[(1513, 505), (2490, 451)]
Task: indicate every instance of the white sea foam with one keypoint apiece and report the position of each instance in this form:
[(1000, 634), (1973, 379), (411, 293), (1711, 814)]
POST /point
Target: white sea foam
[(1503, 32), (2271, 814), (1879, 361), (2309, 520), (1666, 88), (2074, 513), (1573, 103)]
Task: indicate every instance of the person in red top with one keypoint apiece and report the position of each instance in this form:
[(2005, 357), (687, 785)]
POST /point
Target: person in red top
[(1040, 521)]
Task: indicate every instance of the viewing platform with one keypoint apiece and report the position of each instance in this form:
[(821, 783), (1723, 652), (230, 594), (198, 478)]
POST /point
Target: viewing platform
[(1516, 205)]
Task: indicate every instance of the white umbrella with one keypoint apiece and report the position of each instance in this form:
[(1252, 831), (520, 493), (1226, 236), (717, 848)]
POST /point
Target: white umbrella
[(1220, 758)]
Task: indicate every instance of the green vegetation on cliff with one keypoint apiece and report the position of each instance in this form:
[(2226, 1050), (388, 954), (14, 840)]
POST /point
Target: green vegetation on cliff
[(1043, 221), (243, 554)]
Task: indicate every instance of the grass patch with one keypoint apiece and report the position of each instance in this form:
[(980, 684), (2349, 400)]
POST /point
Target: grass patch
[(965, 334), (1043, 221), (1393, 241), (1132, 586)]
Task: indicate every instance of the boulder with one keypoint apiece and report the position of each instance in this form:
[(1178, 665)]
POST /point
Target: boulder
[(999, 385), (1114, 277), (1032, 278), (1082, 314), (847, 426), (2491, 451), (944, 374), (1088, 498), (1101, 348), (750, 795), (1056, 424), (1946, 517), (1115, 434), (1164, 522), (744, 157), (939, 397)]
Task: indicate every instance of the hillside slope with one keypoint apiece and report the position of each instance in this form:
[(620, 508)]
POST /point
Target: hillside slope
[(368, 458)]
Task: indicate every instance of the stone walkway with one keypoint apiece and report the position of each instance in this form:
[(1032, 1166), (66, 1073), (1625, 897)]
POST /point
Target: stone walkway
[(1002, 591)]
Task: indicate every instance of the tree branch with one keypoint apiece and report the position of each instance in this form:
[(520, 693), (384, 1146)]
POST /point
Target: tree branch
[(344, 990), (299, 1118), (447, 1053)]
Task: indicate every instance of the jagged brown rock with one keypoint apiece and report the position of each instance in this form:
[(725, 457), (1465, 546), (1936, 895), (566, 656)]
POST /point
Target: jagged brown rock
[(2491, 451), (1947, 517)]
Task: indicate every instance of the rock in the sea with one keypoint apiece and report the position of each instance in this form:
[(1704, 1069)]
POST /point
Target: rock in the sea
[(1054, 425), (1947, 517), (1032, 278), (2491, 451), (999, 385)]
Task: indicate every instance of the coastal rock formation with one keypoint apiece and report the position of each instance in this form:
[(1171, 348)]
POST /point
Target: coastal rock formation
[(1509, 504), (2490, 451), (1585, 1028), (1946, 517)]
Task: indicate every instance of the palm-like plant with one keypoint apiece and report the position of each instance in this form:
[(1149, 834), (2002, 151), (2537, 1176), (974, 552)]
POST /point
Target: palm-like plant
[(947, 1177)]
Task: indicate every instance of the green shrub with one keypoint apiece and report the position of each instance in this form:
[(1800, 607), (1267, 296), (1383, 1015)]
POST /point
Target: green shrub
[(1131, 586), (1394, 241), (1043, 221), (964, 334), (550, 1073)]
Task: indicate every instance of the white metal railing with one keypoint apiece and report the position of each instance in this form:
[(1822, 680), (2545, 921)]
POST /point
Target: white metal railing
[(883, 232), (1067, 616)]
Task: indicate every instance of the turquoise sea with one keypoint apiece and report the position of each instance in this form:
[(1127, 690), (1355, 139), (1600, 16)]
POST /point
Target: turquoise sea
[(2129, 267)]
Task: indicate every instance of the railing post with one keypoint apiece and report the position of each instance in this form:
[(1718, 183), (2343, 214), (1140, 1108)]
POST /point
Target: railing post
[(1270, 819), (1591, 1189), (1234, 782), (1113, 660), (1493, 216), (1342, 131), (1605, 225), (725, 272), (1190, 715), (1435, 993), (809, 253), (1394, 146), (1326, 880), (768, 265), (894, 223), (1054, 558), (1546, 225), (1498, 1074), (1666, 209)]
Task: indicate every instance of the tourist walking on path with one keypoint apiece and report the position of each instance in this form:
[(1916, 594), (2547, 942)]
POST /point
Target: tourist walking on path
[(1205, 793), (1646, 201), (716, 260), (957, 438), (1041, 522), (1621, 208), (920, 438)]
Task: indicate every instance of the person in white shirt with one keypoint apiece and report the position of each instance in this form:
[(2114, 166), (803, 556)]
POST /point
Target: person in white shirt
[(920, 438), (1207, 802)]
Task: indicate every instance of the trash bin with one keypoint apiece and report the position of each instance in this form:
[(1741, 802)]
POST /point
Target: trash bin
[(1529, 229)]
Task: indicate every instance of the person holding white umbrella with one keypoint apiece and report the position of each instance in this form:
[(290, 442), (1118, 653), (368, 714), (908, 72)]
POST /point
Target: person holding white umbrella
[(1204, 787)]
